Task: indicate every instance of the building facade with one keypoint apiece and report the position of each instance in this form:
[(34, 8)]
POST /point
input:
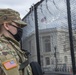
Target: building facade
[(53, 34), (54, 48)]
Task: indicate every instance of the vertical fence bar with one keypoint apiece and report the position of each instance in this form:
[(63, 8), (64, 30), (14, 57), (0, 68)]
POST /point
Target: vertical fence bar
[(55, 55), (70, 35), (37, 35), (37, 31)]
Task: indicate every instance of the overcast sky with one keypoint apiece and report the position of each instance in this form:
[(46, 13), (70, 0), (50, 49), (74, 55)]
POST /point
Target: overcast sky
[(22, 6)]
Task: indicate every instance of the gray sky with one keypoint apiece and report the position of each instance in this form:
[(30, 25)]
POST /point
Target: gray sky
[(22, 6)]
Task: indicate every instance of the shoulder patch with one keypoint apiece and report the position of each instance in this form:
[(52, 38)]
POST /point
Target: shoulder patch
[(9, 64)]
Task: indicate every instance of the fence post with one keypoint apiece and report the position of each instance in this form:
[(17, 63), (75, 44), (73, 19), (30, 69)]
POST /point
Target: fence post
[(70, 35), (37, 31)]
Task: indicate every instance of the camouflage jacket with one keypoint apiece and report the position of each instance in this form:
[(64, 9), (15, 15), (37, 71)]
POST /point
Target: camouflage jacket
[(10, 50)]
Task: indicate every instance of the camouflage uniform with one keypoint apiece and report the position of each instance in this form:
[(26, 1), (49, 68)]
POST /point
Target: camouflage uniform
[(10, 49)]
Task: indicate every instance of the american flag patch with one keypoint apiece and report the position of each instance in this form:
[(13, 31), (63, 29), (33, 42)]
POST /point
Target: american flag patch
[(10, 64)]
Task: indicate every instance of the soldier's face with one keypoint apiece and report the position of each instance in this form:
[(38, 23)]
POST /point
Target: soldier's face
[(12, 28), (9, 27)]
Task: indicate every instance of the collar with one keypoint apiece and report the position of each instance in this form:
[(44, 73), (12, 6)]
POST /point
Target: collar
[(7, 39)]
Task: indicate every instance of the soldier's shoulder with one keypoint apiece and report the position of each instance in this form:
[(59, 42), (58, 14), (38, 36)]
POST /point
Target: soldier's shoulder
[(3, 42)]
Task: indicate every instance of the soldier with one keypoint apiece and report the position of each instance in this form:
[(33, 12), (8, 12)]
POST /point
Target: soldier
[(11, 57)]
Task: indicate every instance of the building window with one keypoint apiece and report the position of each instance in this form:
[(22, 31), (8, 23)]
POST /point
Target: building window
[(64, 48), (42, 62), (47, 60), (66, 59), (46, 43)]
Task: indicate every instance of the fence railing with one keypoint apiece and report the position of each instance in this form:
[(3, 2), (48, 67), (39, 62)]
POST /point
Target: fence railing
[(60, 68)]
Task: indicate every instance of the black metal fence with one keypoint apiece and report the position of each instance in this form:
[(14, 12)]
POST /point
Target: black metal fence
[(51, 35)]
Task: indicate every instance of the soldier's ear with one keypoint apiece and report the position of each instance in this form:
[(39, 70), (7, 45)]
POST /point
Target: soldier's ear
[(6, 25)]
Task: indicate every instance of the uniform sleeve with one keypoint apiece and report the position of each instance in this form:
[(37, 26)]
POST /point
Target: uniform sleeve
[(8, 60), (2, 72)]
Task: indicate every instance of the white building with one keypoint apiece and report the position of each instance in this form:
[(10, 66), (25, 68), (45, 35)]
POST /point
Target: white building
[(50, 39)]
